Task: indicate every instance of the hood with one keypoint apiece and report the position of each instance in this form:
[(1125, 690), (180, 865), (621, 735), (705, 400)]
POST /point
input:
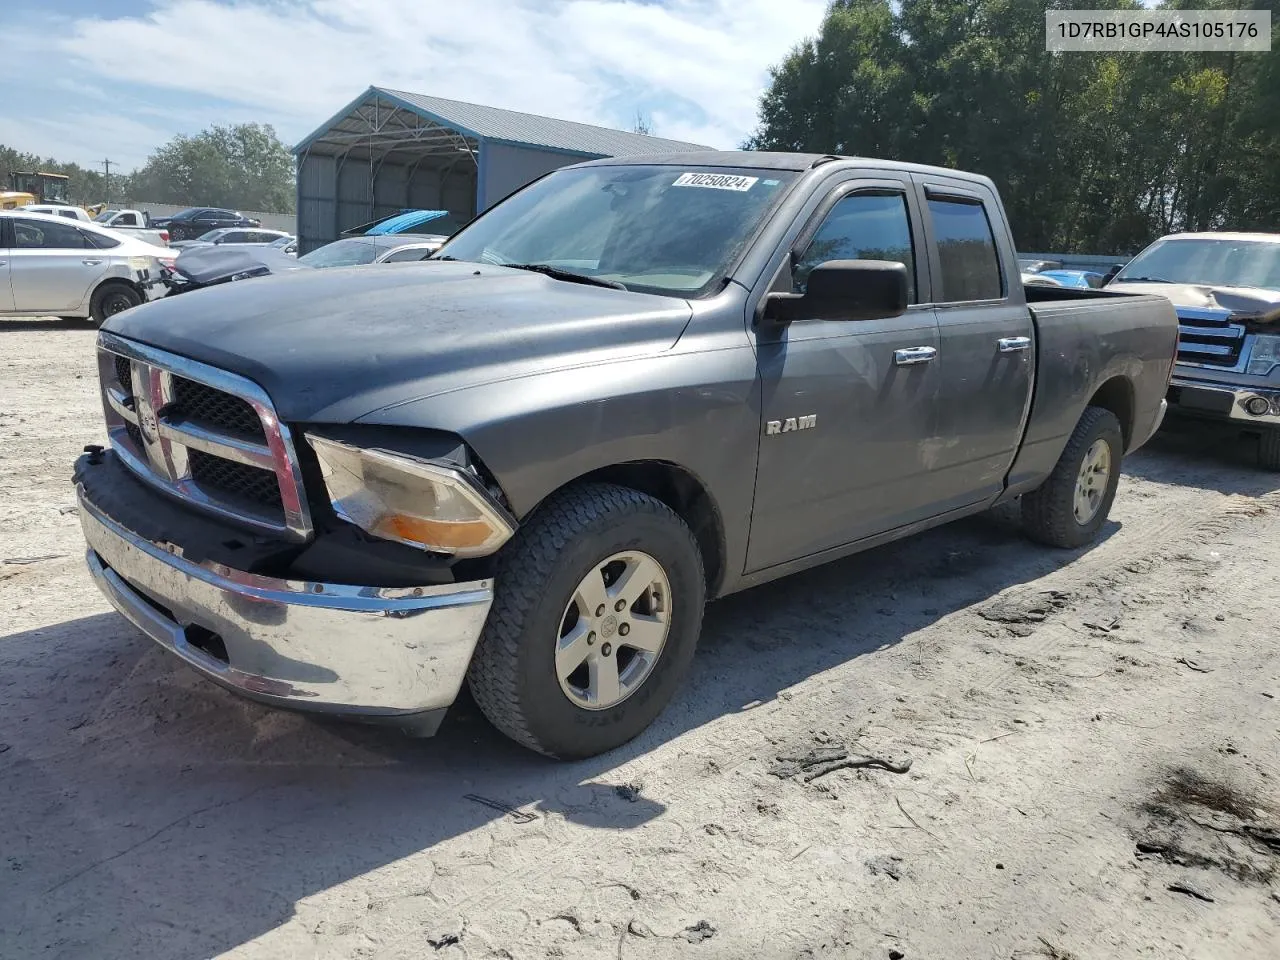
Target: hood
[(334, 345), (1258, 304), (207, 262)]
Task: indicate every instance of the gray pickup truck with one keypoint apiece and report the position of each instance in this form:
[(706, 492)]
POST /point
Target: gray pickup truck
[(631, 387), (1225, 288)]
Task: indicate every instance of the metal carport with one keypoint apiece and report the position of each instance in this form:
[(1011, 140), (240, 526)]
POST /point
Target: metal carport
[(389, 150)]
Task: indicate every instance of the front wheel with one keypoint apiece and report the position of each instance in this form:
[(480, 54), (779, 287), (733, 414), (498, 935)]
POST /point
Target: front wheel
[(1071, 506), (597, 609)]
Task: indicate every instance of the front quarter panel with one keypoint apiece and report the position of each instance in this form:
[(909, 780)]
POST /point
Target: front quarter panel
[(695, 406)]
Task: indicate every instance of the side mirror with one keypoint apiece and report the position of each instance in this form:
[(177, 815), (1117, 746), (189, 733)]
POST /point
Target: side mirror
[(844, 290)]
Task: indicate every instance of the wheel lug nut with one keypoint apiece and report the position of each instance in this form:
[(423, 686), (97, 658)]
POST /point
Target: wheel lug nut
[(606, 650), (591, 638), (620, 605), (624, 629), (600, 610)]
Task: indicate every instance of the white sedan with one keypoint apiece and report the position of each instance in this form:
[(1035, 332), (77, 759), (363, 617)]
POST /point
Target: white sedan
[(53, 265)]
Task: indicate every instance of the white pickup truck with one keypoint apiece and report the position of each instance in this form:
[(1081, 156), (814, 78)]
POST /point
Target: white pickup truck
[(135, 223)]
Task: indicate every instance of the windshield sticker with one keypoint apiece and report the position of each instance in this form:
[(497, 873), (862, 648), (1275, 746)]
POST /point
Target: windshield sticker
[(716, 181)]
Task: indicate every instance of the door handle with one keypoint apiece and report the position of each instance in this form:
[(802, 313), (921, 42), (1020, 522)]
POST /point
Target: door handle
[(913, 355), (1014, 344), (91, 263)]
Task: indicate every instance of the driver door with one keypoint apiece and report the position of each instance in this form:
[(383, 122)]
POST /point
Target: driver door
[(848, 407)]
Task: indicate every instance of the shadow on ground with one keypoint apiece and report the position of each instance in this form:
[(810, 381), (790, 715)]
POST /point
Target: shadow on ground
[(149, 813), (21, 324)]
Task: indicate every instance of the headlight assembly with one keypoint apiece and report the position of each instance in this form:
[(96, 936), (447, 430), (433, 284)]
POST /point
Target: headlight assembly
[(1265, 355), (422, 503)]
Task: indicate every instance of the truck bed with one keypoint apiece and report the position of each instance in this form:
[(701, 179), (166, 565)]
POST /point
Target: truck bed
[(1088, 342)]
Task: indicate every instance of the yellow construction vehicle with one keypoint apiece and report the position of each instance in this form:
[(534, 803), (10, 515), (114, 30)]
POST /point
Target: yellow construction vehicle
[(28, 188)]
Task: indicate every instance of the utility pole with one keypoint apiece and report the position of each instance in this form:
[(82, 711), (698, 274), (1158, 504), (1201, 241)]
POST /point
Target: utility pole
[(106, 167)]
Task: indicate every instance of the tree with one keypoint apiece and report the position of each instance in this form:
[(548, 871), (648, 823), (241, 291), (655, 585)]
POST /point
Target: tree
[(1091, 152), (243, 166)]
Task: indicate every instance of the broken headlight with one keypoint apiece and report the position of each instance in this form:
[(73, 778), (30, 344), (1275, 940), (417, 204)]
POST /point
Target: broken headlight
[(1265, 355), (423, 503)]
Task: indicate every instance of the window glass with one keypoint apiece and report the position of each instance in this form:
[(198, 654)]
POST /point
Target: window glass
[(100, 240), (863, 226), (409, 253), (966, 251), (654, 228), (349, 252), (1209, 262), (47, 235), (128, 220)]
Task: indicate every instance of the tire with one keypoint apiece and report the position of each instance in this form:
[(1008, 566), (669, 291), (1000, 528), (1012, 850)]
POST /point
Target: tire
[(112, 298), (1269, 450), (1049, 513), (540, 578)]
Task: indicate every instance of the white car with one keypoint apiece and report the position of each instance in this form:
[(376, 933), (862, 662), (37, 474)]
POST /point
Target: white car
[(58, 210), (233, 236), (50, 265)]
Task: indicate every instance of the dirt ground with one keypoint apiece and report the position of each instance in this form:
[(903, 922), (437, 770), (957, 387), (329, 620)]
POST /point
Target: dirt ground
[(1094, 746)]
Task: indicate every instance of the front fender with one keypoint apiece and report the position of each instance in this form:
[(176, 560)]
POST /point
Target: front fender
[(696, 409)]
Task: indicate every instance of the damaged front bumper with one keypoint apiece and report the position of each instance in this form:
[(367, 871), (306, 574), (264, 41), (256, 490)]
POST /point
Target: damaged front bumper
[(397, 655)]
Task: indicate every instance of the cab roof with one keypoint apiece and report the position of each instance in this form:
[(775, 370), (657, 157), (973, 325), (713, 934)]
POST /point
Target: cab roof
[(766, 160), (1225, 235)]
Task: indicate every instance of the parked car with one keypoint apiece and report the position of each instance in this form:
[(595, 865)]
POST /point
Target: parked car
[(58, 210), (442, 223), (1036, 266), (1226, 290), (209, 265), (630, 386), (51, 265), (194, 221), (136, 223), (1081, 279), (239, 236)]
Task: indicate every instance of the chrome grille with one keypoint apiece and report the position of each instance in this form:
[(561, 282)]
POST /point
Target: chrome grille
[(214, 409), (203, 435), (1207, 337)]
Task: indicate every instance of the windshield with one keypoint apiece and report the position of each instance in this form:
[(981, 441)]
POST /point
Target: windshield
[(105, 215), (342, 253), (1216, 263), (281, 241), (213, 235), (657, 229)]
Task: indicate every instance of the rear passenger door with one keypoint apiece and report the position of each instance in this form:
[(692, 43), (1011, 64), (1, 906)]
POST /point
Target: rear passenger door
[(987, 351), (846, 405)]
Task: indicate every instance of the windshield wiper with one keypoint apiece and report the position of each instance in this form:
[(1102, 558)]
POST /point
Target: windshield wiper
[(444, 258), (556, 273), (1141, 280)]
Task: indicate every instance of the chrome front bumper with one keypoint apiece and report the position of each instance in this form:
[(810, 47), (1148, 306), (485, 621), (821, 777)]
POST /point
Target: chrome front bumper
[(363, 652), (1249, 405)]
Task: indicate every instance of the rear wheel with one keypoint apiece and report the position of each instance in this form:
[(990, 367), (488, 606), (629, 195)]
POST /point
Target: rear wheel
[(1269, 449), (1071, 506), (596, 614), (110, 299)]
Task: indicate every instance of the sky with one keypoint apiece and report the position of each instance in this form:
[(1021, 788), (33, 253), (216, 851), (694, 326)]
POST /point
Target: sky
[(85, 80)]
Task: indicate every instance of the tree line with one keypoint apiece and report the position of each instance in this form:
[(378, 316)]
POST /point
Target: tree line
[(245, 166), (1092, 153)]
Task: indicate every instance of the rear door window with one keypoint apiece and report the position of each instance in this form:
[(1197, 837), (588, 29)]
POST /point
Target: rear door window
[(966, 251)]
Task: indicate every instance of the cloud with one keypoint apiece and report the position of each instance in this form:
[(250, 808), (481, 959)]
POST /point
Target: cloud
[(696, 66)]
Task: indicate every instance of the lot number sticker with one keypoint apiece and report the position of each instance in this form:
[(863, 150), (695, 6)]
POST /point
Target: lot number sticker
[(715, 181)]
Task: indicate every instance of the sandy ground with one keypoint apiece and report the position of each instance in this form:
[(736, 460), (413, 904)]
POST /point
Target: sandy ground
[(1094, 741)]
